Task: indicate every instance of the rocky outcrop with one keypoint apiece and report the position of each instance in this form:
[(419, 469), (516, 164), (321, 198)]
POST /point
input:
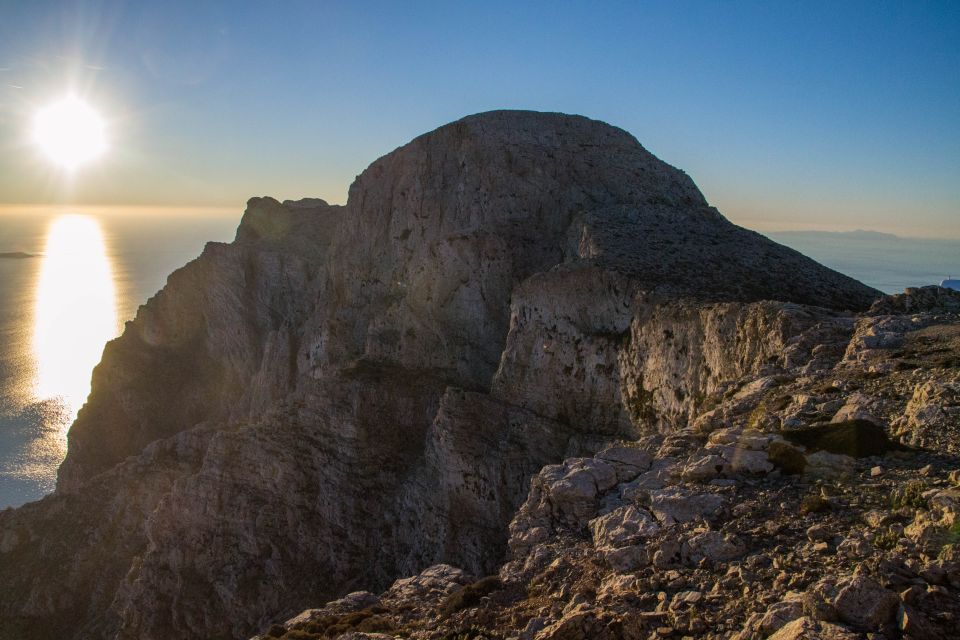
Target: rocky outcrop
[(347, 395), (742, 531)]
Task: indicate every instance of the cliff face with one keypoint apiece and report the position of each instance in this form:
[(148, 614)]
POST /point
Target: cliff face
[(786, 509), (345, 395)]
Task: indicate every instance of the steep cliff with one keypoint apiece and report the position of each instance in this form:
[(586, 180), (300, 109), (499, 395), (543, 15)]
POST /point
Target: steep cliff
[(345, 395)]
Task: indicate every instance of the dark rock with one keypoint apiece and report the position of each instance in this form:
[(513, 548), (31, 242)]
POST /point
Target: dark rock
[(786, 457), (918, 299), (856, 438), (814, 503)]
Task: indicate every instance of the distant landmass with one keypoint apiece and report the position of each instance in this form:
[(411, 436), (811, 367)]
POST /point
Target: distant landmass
[(864, 234), (15, 255), (884, 261)]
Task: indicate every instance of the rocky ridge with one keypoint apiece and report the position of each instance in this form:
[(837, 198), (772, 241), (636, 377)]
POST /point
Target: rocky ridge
[(347, 395)]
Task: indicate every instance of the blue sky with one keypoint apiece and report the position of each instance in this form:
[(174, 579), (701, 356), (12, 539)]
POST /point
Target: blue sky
[(786, 114)]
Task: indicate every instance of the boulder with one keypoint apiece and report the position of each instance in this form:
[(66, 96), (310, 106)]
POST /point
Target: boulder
[(628, 462), (829, 466), (677, 505), (430, 584), (712, 546), (621, 527), (807, 628), (779, 614), (863, 603), (857, 407), (704, 469)]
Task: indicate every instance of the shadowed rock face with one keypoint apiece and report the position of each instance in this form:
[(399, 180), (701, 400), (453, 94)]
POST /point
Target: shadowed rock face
[(857, 438), (344, 395)]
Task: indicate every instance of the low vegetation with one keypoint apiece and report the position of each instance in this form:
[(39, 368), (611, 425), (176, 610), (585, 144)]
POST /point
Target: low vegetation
[(470, 595)]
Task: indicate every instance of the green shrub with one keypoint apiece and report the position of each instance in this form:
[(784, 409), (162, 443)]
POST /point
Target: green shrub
[(909, 495), (757, 416), (814, 503), (887, 540)]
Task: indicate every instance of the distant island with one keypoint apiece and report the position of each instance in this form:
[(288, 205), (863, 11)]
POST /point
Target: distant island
[(860, 234), (16, 255)]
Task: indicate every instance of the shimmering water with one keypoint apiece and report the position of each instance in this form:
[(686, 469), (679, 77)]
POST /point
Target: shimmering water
[(93, 269), (88, 274)]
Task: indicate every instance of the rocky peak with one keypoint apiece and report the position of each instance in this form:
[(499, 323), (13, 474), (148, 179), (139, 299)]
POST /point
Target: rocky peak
[(348, 394)]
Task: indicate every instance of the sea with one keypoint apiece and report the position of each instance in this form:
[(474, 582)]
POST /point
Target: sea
[(70, 279)]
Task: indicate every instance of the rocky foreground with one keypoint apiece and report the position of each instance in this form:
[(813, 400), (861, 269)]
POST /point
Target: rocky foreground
[(528, 365), (730, 527)]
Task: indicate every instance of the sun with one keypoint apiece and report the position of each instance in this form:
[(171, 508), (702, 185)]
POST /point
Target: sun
[(69, 132)]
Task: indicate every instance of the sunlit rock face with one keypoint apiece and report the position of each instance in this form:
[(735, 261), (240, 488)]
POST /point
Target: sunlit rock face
[(345, 395)]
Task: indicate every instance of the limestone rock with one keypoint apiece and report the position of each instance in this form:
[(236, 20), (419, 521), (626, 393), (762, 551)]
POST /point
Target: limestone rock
[(628, 462), (809, 629), (780, 614), (712, 546), (704, 469), (857, 407), (346, 395), (864, 603), (625, 526), (431, 583), (932, 415), (917, 299), (672, 505), (824, 464)]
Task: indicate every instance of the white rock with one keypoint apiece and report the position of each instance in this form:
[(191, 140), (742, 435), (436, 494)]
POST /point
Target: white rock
[(675, 504), (627, 461), (624, 526), (712, 546), (704, 469), (857, 407), (745, 460), (823, 464)]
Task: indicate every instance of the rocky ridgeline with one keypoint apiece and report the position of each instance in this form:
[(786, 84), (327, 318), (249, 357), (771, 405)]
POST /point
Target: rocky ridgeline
[(525, 349)]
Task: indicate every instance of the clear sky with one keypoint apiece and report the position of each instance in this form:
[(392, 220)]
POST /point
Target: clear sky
[(833, 115)]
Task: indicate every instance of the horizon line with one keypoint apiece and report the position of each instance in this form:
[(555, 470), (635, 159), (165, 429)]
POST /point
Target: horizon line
[(760, 226)]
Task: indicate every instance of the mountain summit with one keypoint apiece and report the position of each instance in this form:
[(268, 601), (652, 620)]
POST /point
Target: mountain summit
[(346, 395)]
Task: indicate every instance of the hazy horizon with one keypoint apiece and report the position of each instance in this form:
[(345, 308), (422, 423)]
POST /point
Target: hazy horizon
[(761, 226), (784, 115)]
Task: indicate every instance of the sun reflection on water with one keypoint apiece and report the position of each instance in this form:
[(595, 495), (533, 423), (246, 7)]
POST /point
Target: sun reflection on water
[(75, 314)]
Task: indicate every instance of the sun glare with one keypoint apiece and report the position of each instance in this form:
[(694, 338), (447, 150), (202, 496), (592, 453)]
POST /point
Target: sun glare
[(69, 132), (75, 312)]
